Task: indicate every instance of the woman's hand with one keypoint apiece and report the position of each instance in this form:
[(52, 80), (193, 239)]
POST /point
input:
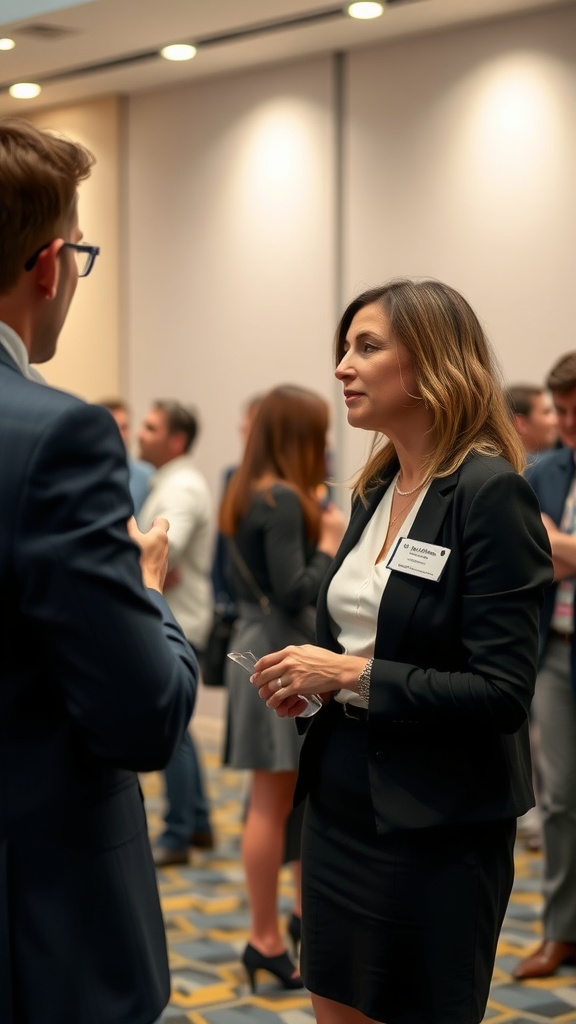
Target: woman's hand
[(303, 671)]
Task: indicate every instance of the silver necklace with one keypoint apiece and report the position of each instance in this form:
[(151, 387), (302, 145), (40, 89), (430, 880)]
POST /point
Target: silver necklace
[(403, 512), (404, 494)]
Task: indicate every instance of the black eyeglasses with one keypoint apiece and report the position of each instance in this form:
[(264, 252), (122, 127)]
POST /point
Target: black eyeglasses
[(85, 256)]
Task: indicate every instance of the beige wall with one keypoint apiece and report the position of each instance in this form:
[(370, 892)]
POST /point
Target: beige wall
[(87, 361), (230, 246), (459, 163)]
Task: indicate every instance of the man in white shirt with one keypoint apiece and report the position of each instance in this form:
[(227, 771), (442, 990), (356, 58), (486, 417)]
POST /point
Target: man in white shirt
[(165, 440)]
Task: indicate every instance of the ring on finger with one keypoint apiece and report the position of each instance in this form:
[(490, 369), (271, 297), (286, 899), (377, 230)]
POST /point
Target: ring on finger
[(279, 684)]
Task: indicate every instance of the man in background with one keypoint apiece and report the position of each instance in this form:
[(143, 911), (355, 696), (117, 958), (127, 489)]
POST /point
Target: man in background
[(139, 472), (97, 681), (554, 705), (179, 492), (533, 416)]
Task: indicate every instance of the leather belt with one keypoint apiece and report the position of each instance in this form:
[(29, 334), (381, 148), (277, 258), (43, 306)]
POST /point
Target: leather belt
[(555, 634), (353, 712)]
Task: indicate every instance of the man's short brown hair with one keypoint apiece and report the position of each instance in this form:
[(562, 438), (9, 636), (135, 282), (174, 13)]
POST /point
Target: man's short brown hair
[(180, 419), (39, 176), (562, 376), (520, 398)]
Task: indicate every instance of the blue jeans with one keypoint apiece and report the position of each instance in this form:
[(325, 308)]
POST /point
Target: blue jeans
[(187, 810)]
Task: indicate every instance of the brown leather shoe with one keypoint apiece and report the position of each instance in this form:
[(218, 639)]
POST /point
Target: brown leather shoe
[(163, 857), (203, 840), (545, 960)]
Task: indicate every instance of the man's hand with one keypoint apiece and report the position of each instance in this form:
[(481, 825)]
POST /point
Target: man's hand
[(153, 551)]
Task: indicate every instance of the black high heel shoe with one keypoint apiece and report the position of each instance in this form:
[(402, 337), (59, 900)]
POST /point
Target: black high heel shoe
[(280, 966), (295, 932)]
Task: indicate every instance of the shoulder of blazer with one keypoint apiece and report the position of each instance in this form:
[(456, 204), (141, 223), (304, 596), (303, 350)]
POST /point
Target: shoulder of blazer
[(468, 477)]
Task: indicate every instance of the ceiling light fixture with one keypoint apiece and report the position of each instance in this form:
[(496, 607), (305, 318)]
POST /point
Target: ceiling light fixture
[(24, 90), (7, 44), (365, 11), (178, 51)]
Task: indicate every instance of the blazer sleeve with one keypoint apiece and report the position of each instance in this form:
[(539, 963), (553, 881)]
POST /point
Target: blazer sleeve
[(126, 674), (486, 624), (295, 579)]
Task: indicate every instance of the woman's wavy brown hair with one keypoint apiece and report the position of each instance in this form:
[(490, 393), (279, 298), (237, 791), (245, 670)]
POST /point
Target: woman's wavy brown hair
[(287, 440), (456, 373)]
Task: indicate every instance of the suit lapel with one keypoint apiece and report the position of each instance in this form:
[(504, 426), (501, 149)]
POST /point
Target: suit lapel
[(402, 591)]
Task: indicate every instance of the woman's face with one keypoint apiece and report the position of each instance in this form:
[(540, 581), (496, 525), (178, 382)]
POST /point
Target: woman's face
[(380, 389)]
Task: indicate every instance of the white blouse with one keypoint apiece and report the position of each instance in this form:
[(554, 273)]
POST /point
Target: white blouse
[(355, 592)]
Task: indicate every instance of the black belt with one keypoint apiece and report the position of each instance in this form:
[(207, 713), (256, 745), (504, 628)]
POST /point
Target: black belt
[(353, 712), (556, 634)]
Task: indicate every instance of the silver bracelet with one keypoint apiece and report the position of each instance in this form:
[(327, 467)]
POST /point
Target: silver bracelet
[(364, 680)]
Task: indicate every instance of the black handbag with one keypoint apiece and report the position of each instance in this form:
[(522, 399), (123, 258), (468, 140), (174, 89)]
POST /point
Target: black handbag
[(213, 658)]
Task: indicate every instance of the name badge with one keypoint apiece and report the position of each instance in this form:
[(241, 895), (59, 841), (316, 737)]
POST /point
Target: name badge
[(418, 558)]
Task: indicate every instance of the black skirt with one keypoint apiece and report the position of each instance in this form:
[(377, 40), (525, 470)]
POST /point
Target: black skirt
[(402, 927)]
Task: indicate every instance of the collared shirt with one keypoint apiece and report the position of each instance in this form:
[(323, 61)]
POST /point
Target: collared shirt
[(17, 351)]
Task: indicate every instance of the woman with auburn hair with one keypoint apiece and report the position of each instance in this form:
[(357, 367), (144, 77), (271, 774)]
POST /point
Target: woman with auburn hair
[(418, 764), (281, 542)]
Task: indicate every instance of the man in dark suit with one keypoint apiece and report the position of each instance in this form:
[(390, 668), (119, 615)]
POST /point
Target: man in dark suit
[(96, 679), (554, 480)]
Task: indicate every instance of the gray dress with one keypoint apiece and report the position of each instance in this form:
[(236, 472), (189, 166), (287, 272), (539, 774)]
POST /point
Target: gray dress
[(288, 569)]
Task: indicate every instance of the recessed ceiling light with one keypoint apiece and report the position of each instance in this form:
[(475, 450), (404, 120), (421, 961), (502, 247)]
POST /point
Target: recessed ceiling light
[(7, 44), (24, 90), (178, 51), (365, 11)]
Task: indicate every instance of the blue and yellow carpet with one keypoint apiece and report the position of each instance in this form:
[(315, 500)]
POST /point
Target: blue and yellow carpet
[(206, 917)]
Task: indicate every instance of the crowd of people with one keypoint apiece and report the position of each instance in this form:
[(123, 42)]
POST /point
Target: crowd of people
[(393, 657)]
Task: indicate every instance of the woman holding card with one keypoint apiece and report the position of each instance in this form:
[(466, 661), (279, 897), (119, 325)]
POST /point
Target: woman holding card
[(427, 626)]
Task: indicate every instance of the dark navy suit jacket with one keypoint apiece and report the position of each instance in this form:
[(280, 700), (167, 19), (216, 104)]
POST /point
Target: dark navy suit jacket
[(551, 477), (455, 660), (96, 683)]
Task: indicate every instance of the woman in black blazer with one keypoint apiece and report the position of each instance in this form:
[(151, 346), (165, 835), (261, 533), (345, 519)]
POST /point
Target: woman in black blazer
[(418, 764)]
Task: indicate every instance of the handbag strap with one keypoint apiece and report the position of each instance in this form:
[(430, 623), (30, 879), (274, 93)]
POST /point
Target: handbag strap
[(248, 578)]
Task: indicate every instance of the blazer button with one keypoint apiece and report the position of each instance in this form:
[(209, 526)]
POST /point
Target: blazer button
[(380, 755)]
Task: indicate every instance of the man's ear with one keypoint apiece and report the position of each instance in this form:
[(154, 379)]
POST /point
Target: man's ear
[(177, 443), (47, 268)]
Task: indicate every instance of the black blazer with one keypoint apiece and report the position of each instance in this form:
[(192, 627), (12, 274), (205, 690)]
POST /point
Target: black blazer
[(455, 660), (96, 683)]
